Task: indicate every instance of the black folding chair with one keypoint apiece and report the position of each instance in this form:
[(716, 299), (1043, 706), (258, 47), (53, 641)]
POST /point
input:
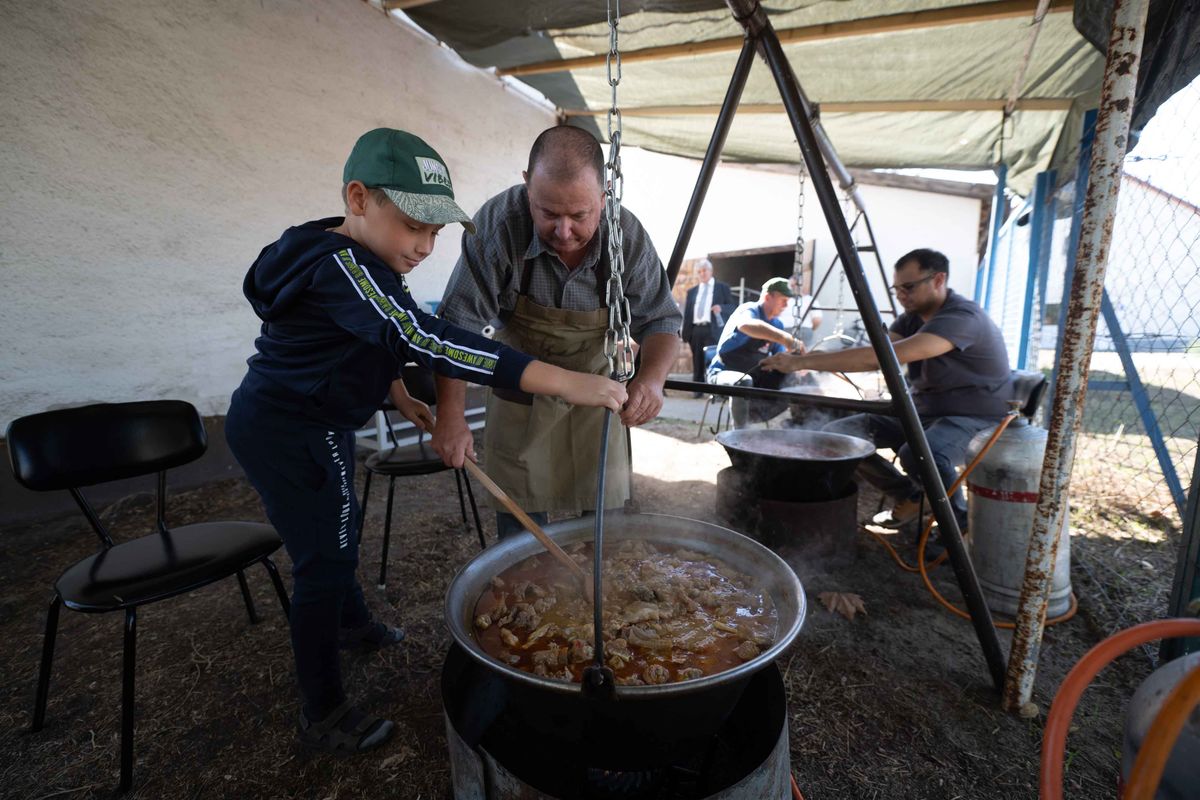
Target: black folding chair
[(79, 447), (411, 460)]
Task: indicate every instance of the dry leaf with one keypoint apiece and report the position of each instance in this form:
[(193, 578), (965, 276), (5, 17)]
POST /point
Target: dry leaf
[(845, 603)]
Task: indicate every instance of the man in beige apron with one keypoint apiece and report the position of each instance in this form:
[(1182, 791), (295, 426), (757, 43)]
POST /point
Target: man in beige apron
[(537, 272)]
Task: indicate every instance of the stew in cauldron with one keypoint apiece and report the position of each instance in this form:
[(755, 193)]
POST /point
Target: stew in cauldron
[(669, 615)]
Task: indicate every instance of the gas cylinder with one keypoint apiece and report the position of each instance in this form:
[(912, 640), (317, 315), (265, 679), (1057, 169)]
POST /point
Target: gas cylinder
[(1181, 777), (1002, 497)]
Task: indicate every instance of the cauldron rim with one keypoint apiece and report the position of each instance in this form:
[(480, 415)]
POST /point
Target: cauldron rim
[(498, 557), (732, 441)]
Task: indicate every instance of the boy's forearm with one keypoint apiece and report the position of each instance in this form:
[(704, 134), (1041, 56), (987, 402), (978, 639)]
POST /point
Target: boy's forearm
[(542, 378)]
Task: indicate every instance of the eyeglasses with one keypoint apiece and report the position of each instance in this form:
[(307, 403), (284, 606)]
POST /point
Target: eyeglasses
[(907, 288)]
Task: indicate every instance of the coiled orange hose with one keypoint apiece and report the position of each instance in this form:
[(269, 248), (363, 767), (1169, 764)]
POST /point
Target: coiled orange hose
[(923, 567), (1058, 721)]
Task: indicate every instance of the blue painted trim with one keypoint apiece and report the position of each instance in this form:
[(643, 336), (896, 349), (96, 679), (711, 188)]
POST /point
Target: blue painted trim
[(989, 258), (1037, 226), (998, 209), (1142, 402)]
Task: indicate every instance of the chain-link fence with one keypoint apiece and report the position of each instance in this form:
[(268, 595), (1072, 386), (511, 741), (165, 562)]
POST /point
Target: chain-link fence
[(1138, 441)]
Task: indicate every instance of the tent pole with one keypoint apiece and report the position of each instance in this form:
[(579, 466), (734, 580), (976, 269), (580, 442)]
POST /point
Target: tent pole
[(750, 14), (712, 156), (1078, 336)]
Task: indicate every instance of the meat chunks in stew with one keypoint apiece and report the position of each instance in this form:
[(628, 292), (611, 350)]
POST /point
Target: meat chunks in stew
[(670, 615)]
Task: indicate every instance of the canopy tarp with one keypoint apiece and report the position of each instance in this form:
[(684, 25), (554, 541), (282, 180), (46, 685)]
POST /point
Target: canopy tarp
[(901, 83)]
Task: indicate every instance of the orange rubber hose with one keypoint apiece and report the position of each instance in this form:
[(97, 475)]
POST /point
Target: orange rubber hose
[(1160, 739), (796, 790), (923, 566), (1058, 721)]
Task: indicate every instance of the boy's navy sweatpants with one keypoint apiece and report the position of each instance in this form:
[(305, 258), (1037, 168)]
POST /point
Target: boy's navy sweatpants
[(305, 476)]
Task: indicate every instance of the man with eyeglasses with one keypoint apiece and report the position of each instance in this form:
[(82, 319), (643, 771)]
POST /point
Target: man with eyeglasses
[(957, 370)]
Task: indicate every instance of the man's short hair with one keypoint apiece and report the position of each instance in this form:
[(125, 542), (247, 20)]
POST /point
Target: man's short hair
[(563, 151), (928, 260)]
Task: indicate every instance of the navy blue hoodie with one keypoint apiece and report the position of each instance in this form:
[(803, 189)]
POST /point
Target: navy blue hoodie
[(338, 324)]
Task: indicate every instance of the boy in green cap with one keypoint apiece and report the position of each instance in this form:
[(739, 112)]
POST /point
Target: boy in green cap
[(338, 323)]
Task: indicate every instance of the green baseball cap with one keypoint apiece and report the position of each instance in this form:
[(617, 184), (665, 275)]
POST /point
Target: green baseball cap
[(410, 172), (778, 286)]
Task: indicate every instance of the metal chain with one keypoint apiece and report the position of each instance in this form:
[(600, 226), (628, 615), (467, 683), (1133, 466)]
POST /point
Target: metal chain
[(618, 344), (798, 263)]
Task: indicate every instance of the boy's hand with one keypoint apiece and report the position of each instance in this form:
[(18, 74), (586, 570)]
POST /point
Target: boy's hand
[(452, 440), (416, 412), (577, 388), (594, 390)]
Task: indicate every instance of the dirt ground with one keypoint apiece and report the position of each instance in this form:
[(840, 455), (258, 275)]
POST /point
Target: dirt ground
[(894, 704)]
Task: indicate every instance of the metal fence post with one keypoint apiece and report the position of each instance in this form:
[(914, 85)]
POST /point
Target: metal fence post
[(1186, 585), (1079, 331)]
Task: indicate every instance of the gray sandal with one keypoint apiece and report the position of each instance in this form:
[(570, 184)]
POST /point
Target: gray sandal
[(331, 735)]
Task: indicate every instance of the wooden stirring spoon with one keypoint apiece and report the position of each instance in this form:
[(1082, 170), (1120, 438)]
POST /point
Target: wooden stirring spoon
[(531, 526)]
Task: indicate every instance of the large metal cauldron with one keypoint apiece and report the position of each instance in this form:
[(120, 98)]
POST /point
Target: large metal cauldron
[(795, 465), (642, 725)]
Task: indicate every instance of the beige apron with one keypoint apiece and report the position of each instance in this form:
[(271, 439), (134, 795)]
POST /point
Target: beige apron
[(545, 454)]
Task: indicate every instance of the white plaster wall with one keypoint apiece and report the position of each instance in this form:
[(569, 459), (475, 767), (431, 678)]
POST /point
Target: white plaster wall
[(149, 150), (749, 207)]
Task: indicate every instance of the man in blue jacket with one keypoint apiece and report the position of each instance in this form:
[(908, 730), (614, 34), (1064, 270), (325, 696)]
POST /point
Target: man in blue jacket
[(754, 332)]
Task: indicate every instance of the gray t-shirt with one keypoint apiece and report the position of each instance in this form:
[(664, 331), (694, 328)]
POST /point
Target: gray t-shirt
[(973, 379), (484, 285)]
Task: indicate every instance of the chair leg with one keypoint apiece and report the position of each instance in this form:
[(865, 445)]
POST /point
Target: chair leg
[(43, 685), (704, 416), (387, 534), (474, 510), (280, 589), (127, 700), (362, 507), (462, 508), (241, 576)]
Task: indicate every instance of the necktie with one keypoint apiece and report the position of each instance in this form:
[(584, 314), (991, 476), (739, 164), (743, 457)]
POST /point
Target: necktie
[(702, 304)]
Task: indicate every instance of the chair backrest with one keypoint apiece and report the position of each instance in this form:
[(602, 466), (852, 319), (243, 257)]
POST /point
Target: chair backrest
[(75, 447), (1028, 388)]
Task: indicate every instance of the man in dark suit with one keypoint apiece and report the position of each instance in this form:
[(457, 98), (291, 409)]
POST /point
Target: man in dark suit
[(707, 307)]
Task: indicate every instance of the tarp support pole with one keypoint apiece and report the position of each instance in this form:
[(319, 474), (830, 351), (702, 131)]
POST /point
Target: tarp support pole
[(750, 14), (712, 156), (1079, 333)]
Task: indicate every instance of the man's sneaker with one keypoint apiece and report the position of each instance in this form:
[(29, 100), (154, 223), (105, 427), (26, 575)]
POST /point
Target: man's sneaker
[(903, 513)]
